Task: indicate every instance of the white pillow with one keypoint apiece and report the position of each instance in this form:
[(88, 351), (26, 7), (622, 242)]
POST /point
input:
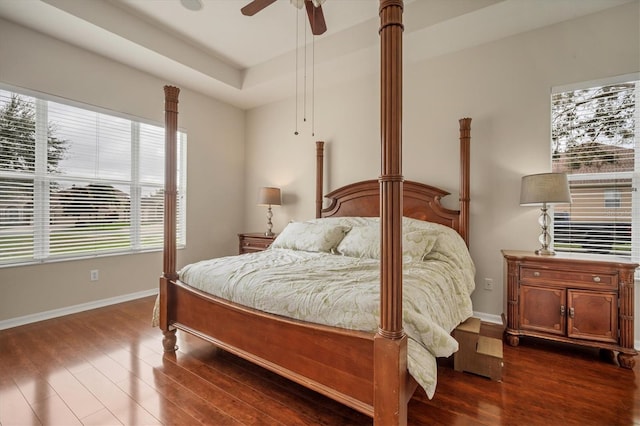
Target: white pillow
[(417, 244), (361, 241), (310, 236), (364, 241)]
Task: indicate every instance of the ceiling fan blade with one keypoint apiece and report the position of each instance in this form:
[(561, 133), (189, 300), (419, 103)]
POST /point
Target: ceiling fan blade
[(316, 18), (255, 6)]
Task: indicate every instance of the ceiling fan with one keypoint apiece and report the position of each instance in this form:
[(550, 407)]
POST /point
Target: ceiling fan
[(314, 12)]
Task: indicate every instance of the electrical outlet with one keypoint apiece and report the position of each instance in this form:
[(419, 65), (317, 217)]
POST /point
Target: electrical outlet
[(94, 274), (488, 284)]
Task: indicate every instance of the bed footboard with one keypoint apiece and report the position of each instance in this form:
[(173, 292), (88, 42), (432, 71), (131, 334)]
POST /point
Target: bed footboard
[(335, 362)]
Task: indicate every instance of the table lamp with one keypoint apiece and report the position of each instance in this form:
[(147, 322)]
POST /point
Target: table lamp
[(543, 189), (269, 196)]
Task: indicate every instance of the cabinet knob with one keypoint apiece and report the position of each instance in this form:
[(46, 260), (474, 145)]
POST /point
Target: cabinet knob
[(536, 273), (596, 279)]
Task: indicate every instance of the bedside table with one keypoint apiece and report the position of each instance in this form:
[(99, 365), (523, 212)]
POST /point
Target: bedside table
[(254, 241), (571, 298)]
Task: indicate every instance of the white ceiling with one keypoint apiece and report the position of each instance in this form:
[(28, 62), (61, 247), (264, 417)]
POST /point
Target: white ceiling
[(250, 61)]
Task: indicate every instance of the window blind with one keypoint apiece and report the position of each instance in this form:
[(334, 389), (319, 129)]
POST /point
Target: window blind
[(77, 181), (594, 130)]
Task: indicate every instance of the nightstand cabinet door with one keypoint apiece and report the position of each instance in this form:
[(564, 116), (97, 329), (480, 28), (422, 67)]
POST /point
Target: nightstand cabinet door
[(543, 309), (592, 315)]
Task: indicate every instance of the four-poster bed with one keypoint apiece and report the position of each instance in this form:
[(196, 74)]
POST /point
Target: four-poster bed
[(364, 370)]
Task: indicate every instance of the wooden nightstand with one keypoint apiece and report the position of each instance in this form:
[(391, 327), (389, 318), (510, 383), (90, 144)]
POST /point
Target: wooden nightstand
[(584, 300), (254, 241)]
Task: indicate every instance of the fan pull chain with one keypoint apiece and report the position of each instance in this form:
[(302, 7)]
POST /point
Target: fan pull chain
[(304, 103), (313, 85), (297, 32), (305, 81)]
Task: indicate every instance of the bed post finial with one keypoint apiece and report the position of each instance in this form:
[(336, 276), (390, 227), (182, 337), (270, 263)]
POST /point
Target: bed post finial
[(319, 176), (465, 178)]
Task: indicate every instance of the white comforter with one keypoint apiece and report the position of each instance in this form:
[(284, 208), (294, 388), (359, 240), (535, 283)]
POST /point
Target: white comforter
[(343, 291)]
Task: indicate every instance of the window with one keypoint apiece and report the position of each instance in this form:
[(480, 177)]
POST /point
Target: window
[(77, 182), (594, 137)]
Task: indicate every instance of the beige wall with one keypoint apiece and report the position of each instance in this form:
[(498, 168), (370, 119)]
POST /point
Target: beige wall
[(504, 86), (215, 154)]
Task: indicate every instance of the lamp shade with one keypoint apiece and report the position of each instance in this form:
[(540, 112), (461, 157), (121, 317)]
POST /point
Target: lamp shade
[(544, 188), (269, 196)]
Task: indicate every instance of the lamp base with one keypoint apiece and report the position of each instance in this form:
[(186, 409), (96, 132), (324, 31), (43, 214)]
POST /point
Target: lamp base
[(544, 238), (269, 233), (545, 252)]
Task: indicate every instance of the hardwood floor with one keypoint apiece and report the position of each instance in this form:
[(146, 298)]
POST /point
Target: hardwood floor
[(106, 367)]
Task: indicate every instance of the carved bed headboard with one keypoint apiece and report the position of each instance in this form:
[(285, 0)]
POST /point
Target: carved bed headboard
[(419, 201)]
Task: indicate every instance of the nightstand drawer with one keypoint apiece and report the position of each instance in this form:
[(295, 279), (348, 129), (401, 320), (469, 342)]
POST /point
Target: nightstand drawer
[(255, 241), (547, 276), (249, 243)]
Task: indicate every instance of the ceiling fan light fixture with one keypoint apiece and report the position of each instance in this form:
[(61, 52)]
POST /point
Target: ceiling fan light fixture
[(194, 5), (300, 3)]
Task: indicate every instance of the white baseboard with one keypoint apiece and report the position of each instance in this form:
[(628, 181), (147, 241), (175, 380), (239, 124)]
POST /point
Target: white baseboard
[(41, 316)]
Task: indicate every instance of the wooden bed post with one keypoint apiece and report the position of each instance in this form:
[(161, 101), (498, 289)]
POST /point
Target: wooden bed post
[(319, 176), (465, 142), (390, 342), (170, 201)]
